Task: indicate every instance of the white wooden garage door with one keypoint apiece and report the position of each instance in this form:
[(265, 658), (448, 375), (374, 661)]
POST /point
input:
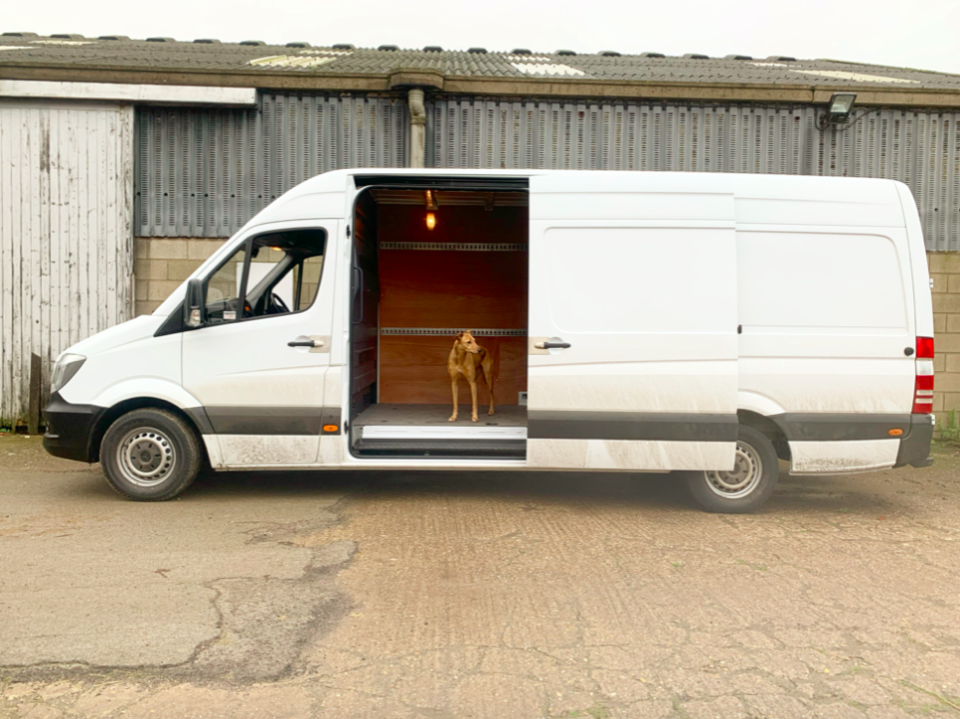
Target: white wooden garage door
[(66, 240)]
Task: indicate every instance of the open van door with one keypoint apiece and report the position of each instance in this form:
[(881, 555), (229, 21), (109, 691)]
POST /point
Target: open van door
[(632, 322)]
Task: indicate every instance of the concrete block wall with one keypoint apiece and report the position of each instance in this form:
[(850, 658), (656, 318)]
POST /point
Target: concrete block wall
[(945, 272), (162, 264)]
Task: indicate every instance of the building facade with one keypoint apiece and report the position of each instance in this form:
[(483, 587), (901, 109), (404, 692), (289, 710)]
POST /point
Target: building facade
[(124, 164)]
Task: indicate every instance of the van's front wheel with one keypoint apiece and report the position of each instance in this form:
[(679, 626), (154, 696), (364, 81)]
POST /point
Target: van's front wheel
[(747, 486), (150, 455)]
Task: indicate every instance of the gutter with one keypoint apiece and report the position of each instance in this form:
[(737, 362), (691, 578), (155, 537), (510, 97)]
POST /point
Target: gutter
[(913, 98), (134, 93)]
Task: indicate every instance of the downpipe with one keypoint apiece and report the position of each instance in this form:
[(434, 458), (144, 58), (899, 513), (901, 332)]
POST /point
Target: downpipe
[(418, 127)]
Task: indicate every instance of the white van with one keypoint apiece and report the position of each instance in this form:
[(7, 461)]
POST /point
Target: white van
[(712, 324)]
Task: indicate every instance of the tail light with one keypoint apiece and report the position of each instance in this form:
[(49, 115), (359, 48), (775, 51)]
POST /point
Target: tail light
[(923, 387)]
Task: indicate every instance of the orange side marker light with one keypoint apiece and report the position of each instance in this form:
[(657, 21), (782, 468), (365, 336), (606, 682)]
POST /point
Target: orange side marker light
[(895, 432), (330, 428)]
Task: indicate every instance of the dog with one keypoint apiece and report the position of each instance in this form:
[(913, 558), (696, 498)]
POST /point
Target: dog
[(470, 360)]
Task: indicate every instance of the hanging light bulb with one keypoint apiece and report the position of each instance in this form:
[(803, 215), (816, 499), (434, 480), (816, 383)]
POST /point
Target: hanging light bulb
[(431, 220)]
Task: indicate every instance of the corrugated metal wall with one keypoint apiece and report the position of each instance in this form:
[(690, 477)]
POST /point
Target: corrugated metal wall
[(204, 173), (921, 149), (66, 233), (620, 136)]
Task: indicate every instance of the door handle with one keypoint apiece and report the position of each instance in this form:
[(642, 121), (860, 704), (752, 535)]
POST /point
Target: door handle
[(305, 343), (552, 345)]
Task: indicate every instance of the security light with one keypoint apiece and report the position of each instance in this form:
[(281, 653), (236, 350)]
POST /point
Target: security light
[(840, 106)]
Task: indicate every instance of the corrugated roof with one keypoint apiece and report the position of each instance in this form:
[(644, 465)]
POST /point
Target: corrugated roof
[(77, 53)]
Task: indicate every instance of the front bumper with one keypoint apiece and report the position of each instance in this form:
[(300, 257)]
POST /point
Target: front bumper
[(70, 429), (915, 444)]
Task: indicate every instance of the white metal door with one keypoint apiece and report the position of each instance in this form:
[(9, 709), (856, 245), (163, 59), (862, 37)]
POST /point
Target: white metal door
[(633, 324), (263, 395)]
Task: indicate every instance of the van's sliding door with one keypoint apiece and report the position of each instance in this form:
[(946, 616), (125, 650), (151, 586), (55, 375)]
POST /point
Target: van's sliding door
[(633, 322)]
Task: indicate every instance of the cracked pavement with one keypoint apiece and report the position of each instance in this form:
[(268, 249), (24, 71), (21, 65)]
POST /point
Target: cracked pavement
[(461, 595)]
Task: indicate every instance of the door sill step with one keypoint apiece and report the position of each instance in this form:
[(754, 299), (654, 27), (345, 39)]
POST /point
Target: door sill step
[(469, 433), (433, 447)]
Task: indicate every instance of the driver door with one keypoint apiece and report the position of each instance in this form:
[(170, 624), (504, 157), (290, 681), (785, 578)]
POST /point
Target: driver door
[(259, 361)]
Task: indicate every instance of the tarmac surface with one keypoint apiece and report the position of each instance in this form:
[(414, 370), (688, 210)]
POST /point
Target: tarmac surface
[(462, 595)]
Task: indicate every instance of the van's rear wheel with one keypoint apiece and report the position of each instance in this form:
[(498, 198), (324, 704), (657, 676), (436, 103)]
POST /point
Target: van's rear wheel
[(748, 485), (150, 455)]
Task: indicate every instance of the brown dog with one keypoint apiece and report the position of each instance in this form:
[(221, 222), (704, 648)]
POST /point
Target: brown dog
[(470, 360)]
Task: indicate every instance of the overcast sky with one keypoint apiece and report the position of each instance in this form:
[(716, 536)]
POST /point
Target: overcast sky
[(923, 35)]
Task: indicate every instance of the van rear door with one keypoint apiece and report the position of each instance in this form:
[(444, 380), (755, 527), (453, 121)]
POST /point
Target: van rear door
[(632, 322)]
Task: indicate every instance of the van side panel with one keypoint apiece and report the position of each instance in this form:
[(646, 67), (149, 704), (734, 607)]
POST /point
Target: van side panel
[(843, 457), (826, 318), (649, 455), (827, 307), (637, 274)]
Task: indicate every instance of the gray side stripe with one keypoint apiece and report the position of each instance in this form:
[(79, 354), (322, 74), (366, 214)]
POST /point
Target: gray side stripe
[(668, 426), (272, 420), (658, 426), (837, 427), (200, 418), (566, 424)]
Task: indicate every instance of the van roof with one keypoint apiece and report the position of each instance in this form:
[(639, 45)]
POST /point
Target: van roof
[(848, 201), (332, 181)]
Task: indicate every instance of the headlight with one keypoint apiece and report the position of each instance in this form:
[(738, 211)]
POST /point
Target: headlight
[(64, 370)]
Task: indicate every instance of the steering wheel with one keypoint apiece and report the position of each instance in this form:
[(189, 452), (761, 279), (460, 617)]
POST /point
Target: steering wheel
[(277, 305)]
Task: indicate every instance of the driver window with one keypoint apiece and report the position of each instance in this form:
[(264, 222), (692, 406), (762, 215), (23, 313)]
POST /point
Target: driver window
[(269, 283), (281, 275), (223, 289), (306, 281)]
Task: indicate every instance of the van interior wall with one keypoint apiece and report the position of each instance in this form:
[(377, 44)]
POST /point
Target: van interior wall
[(365, 297), (469, 290)]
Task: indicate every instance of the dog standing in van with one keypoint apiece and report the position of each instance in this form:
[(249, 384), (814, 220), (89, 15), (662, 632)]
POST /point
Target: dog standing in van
[(470, 360)]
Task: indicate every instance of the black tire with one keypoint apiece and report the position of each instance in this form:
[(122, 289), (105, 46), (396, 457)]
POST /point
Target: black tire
[(741, 490), (149, 455)]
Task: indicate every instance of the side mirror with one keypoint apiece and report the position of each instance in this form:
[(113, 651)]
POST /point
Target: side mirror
[(193, 306)]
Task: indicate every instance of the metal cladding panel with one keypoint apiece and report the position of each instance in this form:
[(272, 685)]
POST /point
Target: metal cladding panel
[(921, 149), (66, 234), (516, 134), (205, 172)]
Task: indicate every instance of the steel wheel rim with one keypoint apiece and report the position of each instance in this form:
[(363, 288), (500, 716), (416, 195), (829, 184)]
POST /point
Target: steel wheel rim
[(743, 479), (146, 457)]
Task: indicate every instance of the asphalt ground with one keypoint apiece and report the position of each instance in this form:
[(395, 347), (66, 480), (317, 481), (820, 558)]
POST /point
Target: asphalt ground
[(463, 595)]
